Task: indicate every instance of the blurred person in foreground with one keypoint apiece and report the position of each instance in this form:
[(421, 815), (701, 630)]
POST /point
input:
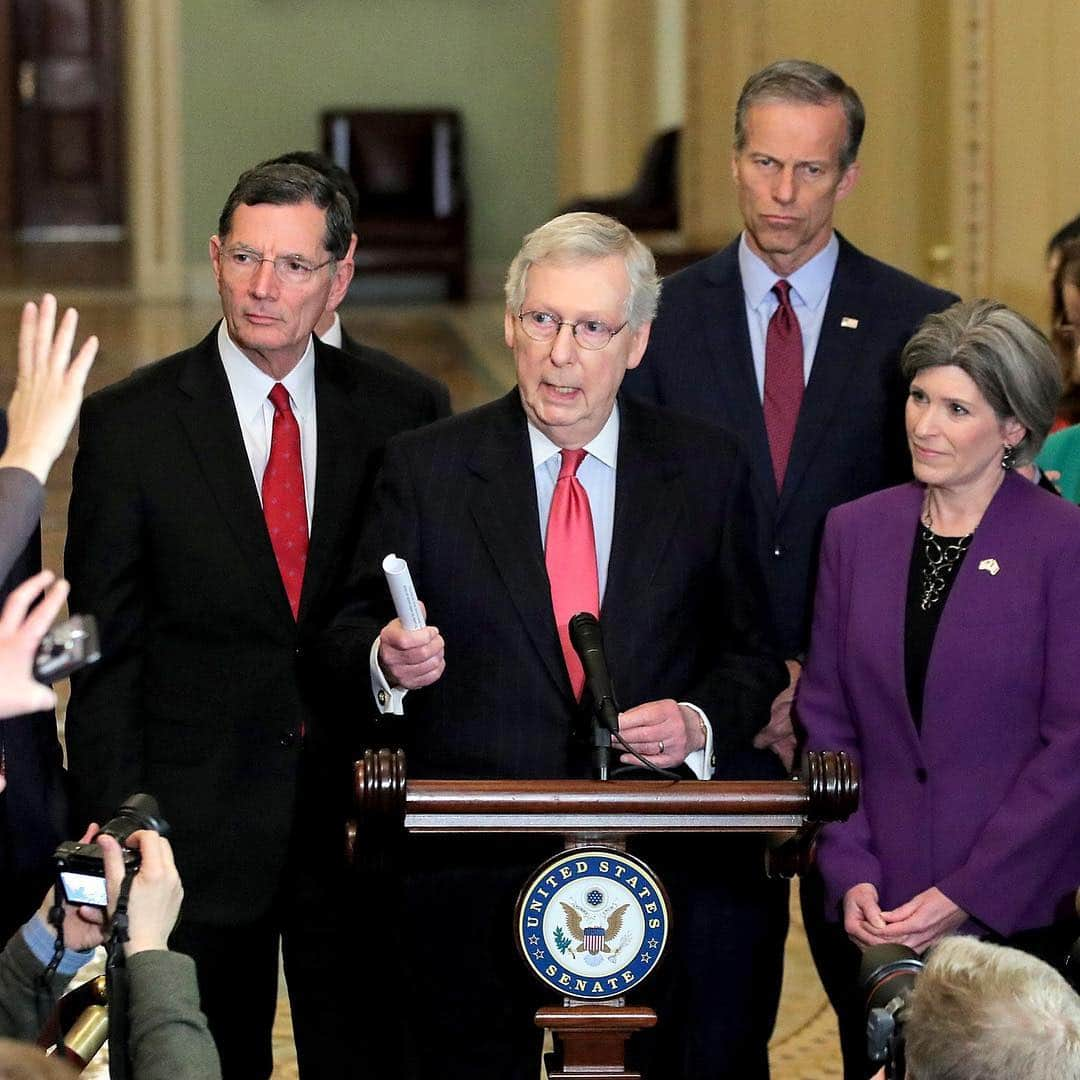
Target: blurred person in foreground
[(168, 1037), (33, 433), (943, 658), (980, 1010)]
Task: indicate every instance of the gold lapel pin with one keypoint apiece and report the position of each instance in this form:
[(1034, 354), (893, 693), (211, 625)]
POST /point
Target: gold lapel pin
[(849, 322), (990, 566)]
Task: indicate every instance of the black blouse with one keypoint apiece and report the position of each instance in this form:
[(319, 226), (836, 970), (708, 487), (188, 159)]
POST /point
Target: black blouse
[(934, 563)]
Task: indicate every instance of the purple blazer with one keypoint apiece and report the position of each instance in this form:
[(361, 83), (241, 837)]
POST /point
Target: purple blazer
[(985, 803)]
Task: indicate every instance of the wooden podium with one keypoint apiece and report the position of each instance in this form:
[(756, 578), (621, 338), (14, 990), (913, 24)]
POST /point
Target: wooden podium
[(590, 1036)]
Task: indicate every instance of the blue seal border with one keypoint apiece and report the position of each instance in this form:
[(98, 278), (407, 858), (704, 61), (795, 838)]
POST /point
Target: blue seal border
[(601, 862)]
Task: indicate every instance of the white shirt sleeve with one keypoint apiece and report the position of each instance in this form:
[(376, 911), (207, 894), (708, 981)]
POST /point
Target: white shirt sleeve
[(700, 762), (388, 699)]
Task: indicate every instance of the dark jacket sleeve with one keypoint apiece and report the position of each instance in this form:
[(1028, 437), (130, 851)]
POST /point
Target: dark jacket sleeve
[(168, 1038), (104, 561)]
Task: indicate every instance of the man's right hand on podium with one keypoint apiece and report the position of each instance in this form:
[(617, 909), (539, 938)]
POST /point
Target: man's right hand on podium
[(411, 658)]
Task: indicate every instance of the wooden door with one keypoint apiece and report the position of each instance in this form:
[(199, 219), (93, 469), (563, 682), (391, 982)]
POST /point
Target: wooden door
[(68, 132)]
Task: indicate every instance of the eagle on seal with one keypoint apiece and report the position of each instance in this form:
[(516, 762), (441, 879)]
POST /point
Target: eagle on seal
[(577, 931)]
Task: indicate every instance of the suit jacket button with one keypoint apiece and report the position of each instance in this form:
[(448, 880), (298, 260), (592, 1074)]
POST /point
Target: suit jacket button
[(920, 775), (777, 551), (288, 739), (383, 697)]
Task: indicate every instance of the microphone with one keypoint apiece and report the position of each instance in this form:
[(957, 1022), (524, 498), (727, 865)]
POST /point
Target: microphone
[(588, 643)]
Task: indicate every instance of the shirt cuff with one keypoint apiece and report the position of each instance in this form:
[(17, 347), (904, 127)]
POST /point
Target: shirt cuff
[(388, 699), (702, 763), (41, 941)]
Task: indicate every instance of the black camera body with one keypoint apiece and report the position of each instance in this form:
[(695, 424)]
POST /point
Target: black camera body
[(81, 867), (887, 976), (67, 647)]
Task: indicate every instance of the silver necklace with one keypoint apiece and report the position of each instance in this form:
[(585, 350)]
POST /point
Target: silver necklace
[(942, 553)]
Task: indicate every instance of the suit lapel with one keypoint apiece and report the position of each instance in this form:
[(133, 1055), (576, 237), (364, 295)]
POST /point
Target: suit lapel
[(890, 559), (502, 501), (724, 317), (339, 471), (838, 350), (208, 416), (648, 497)]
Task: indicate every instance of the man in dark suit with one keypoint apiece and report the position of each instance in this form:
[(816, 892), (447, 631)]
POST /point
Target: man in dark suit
[(216, 502), (477, 507), (330, 327), (805, 372)]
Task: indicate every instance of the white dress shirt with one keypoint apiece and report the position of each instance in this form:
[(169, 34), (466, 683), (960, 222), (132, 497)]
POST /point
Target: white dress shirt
[(333, 333), (251, 388), (809, 294)]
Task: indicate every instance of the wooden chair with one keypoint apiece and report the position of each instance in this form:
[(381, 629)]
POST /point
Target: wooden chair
[(407, 165)]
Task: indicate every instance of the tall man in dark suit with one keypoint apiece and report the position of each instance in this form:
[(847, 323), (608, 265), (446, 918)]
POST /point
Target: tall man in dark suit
[(216, 502), (478, 505), (791, 337), (330, 327)]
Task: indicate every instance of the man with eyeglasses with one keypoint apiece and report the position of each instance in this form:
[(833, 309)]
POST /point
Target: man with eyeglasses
[(216, 502), (562, 497)]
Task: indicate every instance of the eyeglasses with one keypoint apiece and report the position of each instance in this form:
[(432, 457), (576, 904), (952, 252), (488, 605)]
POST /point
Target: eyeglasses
[(588, 333), (290, 269)]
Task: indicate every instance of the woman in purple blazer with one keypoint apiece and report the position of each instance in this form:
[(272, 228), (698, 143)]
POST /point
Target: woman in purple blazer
[(945, 658)]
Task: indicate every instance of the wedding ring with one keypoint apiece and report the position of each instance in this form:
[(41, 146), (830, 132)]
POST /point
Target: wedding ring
[(661, 746)]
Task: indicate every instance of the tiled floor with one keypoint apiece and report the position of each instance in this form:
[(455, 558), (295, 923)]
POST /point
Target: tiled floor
[(463, 346)]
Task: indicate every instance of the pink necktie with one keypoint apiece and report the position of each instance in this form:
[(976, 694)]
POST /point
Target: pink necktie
[(284, 505), (570, 554), (783, 380)]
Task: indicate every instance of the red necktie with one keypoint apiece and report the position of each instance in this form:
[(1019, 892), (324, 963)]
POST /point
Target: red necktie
[(783, 380), (284, 505), (570, 554)]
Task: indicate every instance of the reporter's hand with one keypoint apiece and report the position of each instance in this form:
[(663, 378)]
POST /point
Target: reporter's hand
[(20, 634), (411, 658), (665, 732), (156, 891), (49, 389), (84, 926)]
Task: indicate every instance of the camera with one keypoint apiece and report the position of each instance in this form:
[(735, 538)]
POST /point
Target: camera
[(81, 867), (887, 976), (68, 646)]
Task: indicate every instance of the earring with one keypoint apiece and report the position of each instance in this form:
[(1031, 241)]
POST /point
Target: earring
[(1008, 456)]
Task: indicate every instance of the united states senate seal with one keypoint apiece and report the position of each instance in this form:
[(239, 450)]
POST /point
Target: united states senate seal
[(592, 923)]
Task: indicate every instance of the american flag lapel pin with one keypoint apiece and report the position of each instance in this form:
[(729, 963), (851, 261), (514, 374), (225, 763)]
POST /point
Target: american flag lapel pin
[(849, 322)]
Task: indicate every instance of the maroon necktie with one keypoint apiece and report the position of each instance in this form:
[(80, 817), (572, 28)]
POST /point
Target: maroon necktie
[(783, 380), (570, 554), (284, 505)]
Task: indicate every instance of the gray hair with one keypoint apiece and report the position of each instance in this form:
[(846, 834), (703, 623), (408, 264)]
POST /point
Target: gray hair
[(290, 185), (805, 83), (580, 237), (1003, 353), (982, 1010)]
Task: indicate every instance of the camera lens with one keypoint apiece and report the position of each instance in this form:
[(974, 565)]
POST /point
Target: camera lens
[(138, 811)]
